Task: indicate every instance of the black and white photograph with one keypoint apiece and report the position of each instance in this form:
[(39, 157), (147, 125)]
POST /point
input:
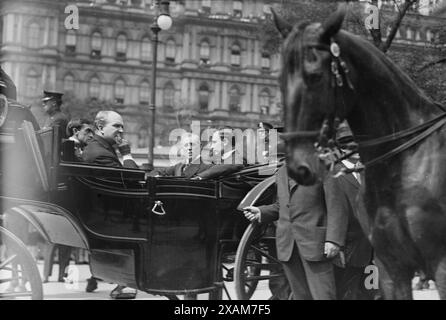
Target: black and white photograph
[(221, 150)]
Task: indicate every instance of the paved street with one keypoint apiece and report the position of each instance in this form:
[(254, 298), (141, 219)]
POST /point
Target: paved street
[(76, 290)]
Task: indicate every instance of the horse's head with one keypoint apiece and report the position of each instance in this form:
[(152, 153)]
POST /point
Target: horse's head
[(313, 78)]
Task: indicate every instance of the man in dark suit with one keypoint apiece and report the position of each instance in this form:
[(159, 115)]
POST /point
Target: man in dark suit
[(307, 238), (52, 102), (191, 165), (343, 196), (109, 135), (224, 158)]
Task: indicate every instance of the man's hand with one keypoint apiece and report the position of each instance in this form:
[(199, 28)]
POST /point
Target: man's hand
[(251, 213), (331, 250), (124, 147)]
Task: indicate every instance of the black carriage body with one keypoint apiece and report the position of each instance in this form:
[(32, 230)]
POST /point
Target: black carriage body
[(110, 212)]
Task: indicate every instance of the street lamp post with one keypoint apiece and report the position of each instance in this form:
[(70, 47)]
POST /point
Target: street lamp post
[(162, 21)]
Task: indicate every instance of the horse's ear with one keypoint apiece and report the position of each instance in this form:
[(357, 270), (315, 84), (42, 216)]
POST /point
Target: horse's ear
[(281, 25), (334, 23)]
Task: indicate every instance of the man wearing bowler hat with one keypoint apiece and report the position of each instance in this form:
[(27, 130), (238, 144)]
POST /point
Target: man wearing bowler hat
[(52, 101)]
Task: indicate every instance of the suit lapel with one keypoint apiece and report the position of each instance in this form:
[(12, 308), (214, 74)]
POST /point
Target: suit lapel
[(105, 144), (351, 178)]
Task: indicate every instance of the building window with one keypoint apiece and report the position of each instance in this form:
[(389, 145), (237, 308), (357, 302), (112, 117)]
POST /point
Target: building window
[(34, 34), (235, 56), (429, 36), (168, 96), (144, 93), (206, 6), (234, 100), (265, 101), (32, 81), (203, 97), (237, 6), (170, 51), (119, 91), (121, 47), (266, 61), (95, 87), (143, 138), (205, 52), (68, 83), (409, 34), (96, 45), (146, 49), (70, 42)]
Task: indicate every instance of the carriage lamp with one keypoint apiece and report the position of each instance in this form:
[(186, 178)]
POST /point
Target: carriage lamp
[(162, 21)]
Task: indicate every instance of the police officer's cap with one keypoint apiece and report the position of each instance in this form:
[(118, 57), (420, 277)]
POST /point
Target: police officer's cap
[(48, 95)]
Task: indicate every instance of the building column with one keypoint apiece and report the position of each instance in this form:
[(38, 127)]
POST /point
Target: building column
[(20, 29), (255, 98), (46, 32), (184, 89), (214, 100), (186, 40), (225, 50), (8, 28), (257, 54), (193, 92), (248, 96), (224, 96), (194, 45)]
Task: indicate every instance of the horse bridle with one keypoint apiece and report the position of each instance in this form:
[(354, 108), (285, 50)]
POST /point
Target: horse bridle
[(325, 142)]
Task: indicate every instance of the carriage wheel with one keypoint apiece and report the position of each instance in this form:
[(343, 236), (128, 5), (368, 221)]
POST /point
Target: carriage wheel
[(19, 276), (256, 263)]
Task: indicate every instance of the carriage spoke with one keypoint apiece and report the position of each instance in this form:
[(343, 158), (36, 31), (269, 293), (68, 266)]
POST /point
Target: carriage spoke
[(265, 277), (9, 279), (265, 254), (7, 261)]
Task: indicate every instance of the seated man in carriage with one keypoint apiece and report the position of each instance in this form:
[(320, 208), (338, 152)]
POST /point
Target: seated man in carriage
[(109, 135)]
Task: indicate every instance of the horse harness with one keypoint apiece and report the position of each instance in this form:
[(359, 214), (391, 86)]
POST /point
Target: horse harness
[(325, 141)]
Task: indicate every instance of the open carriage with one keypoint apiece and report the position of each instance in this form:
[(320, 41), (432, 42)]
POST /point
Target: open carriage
[(166, 236)]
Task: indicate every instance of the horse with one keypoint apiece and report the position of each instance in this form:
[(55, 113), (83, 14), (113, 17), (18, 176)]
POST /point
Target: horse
[(328, 75)]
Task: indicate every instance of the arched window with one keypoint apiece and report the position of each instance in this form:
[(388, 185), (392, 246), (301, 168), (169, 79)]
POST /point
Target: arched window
[(235, 55), (409, 33), (169, 96), (170, 51), (34, 34), (203, 97), (121, 47), (68, 83), (265, 102), (146, 49), (205, 52), (32, 82), (234, 99), (119, 91), (237, 6), (95, 87), (70, 42), (96, 45), (266, 61), (144, 93)]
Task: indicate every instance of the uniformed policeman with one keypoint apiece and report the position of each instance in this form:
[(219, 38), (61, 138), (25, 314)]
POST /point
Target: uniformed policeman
[(52, 101)]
